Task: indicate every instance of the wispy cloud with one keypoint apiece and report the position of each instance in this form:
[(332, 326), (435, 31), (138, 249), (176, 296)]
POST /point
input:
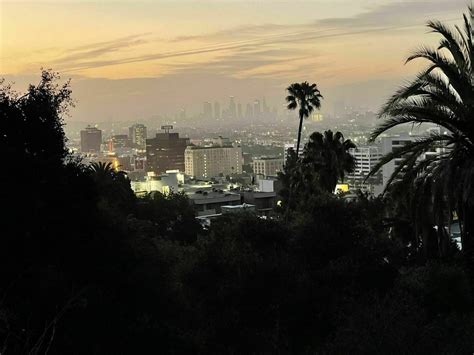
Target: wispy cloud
[(79, 61), (399, 13), (244, 49), (94, 50)]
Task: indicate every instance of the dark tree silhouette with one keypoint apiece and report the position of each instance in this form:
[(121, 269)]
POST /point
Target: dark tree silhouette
[(328, 155), (442, 94), (172, 215), (325, 161), (307, 98), (113, 187)]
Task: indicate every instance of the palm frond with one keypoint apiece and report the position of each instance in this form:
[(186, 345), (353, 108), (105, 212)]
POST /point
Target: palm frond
[(457, 78), (452, 43), (417, 148)]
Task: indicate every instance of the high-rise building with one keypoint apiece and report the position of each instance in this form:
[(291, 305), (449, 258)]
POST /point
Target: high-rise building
[(266, 109), (138, 135), (208, 162), (267, 166), (239, 110), (207, 110), (249, 111), (232, 108), (91, 139), (217, 110), (165, 152), (257, 108), (118, 141)]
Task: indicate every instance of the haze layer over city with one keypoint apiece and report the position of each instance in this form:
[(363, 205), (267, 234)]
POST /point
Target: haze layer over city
[(145, 60)]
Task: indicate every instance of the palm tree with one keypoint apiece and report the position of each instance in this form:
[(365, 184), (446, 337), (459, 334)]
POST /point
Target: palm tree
[(102, 170), (443, 95), (308, 98), (328, 155), (113, 186)]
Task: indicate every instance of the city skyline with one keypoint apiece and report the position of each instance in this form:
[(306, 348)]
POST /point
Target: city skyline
[(134, 62)]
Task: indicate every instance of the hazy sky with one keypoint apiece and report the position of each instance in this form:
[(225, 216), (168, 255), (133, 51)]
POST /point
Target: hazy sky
[(134, 59)]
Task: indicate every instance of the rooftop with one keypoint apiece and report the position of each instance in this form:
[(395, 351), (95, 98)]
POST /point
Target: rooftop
[(269, 158)]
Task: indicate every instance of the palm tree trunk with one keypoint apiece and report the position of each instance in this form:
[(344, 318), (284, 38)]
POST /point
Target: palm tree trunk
[(299, 136), (287, 213)]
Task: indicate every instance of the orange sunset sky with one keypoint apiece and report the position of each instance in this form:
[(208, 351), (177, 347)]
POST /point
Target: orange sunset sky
[(135, 59)]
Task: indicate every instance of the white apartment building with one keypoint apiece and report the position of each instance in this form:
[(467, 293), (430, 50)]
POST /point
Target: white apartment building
[(366, 158), (389, 144), (208, 162), (268, 166)]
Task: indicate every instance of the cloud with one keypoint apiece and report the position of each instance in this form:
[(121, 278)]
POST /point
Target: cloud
[(396, 14), (244, 49), (399, 13), (97, 49), (72, 63)]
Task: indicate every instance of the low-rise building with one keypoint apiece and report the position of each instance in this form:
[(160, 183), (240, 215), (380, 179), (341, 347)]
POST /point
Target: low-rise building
[(245, 207), (164, 183), (264, 202), (210, 202), (267, 166)]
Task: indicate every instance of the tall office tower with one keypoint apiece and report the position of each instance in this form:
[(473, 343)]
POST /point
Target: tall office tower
[(208, 162), (266, 109), (138, 135), (217, 110), (91, 139), (207, 110), (165, 151), (257, 109), (249, 111), (118, 141), (232, 108), (239, 110)]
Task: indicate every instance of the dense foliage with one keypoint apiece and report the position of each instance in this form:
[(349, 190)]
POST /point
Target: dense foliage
[(88, 268), (439, 168)]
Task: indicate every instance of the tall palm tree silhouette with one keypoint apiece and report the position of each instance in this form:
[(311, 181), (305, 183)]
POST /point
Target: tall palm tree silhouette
[(442, 94), (307, 98)]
